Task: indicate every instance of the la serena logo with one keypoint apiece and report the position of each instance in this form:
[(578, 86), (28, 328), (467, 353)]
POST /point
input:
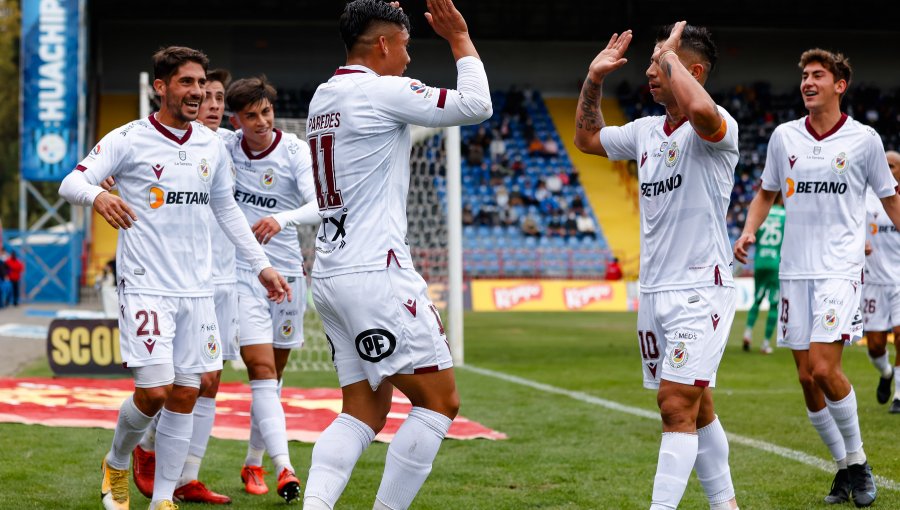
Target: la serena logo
[(509, 297)]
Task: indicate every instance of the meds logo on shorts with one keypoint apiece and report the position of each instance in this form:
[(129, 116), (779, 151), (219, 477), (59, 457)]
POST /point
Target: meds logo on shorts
[(840, 164), (679, 356), (672, 154), (830, 320), (212, 349), (287, 329), (268, 178), (374, 345), (203, 170)]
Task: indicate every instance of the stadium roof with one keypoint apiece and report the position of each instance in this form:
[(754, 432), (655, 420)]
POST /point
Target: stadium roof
[(536, 19)]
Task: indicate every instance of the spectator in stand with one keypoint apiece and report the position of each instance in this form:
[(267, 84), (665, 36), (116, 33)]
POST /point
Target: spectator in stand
[(555, 226), (554, 184), (468, 218), (475, 153), (551, 148), (571, 225), (530, 227), (585, 226), (497, 147), (535, 147), (613, 270), (509, 216), (15, 268), (5, 285), (518, 166), (541, 192)]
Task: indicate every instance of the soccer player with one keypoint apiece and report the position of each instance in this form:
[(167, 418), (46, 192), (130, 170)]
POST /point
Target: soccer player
[(273, 179), (383, 328), (686, 163), (225, 297), (881, 291), (765, 275), (168, 170), (822, 164)]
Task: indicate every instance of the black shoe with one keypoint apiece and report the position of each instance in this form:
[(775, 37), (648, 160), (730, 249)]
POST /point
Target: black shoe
[(862, 484), (840, 488), (884, 389), (895, 406), (746, 345)]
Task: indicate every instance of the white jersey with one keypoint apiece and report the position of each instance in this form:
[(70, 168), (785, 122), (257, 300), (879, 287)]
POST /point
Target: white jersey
[(685, 187), (275, 180), (358, 132), (823, 180), (883, 265), (223, 252), (168, 180)]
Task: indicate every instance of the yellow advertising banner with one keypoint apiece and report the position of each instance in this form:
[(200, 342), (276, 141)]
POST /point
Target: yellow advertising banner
[(548, 296)]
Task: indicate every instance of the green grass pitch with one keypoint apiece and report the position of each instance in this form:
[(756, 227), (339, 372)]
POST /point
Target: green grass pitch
[(562, 453)]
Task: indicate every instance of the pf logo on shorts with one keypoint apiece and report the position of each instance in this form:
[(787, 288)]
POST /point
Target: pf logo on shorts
[(375, 344)]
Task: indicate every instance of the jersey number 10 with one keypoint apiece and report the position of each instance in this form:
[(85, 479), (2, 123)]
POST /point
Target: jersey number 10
[(322, 147)]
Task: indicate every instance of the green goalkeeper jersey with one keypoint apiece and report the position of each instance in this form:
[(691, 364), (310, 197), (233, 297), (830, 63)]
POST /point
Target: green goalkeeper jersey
[(768, 239)]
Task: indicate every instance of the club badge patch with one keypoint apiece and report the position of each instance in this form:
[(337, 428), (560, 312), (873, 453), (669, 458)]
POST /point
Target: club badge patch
[(679, 356), (212, 349), (672, 154), (840, 164)]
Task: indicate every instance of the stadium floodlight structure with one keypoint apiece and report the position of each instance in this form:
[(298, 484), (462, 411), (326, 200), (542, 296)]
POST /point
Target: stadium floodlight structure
[(435, 231)]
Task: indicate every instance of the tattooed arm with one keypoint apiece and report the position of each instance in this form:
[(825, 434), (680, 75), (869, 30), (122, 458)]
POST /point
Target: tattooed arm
[(588, 117)]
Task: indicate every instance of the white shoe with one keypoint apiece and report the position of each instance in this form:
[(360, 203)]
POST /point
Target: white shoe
[(766, 348)]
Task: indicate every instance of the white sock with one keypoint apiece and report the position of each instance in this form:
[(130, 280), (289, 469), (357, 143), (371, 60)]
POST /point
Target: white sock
[(333, 457), (857, 457), (269, 414), (256, 448), (882, 364), (130, 428), (712, 463), (173, 438), (410, 455), (312, 503), (677, 453), (844, 413), (826, 427), (748, 333), (897, 382), (204, 415), (148, 441)]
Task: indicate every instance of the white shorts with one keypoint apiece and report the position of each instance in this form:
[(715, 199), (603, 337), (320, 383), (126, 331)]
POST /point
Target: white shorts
[(824, 311), (226, 298), (183, 331), (381, 323), (265, 322), (682, 334), (880, 307)]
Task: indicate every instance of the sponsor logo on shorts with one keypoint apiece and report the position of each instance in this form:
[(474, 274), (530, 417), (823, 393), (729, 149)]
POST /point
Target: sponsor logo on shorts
[(830, 319), (685, 335), (679, 356), (652, 368), (211, 349), (287, 328), (374, 345), (715, 320)]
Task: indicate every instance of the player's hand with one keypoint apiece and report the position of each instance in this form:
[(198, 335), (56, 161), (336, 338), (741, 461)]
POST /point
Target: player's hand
[(672, 43), (109, 183), (446, 21), (742, 245), (869, 248), (114, 210), (611, 58), (275, 284), (265, 229)]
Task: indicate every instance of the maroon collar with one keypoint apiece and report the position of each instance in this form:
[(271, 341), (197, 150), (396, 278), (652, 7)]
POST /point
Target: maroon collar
[(668, 131), (343, 70), (264, 153), (830, 132), (168, 134)]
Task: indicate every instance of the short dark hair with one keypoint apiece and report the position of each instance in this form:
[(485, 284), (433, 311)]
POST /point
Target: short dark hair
[(836, 63), (220, 75), (359, 15), (166, 61), (248, 91), (695, 39)]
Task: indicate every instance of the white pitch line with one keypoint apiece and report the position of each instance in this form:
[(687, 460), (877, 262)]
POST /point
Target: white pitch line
[(803, 458)]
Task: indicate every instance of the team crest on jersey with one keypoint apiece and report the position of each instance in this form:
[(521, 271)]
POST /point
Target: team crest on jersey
[(672, 154), (417, 87), (268, 178), (203, 170), (840, 164), (182, 155), (679, 356), (287, 329), (830, 319), (211, 349)]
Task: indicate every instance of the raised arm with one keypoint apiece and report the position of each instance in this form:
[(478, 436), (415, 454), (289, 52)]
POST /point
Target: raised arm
[(759, 210), (588, 116), (693, 100)]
